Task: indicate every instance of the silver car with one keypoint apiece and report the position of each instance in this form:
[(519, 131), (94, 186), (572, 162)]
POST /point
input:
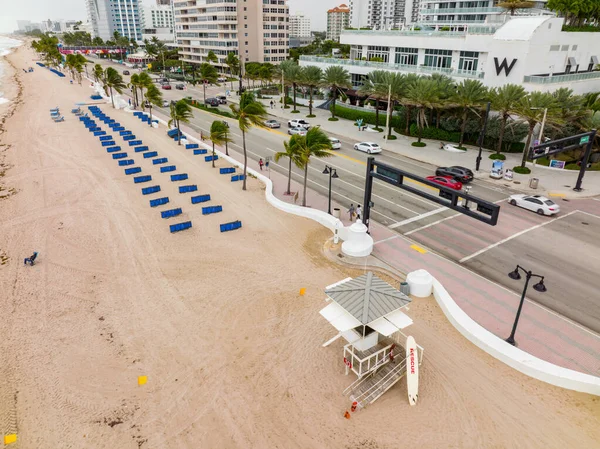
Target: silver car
[(368, 147), (300, 131), (272, 124)]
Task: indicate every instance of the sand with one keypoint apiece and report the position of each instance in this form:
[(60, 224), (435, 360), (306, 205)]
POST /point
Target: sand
[(232, 352)]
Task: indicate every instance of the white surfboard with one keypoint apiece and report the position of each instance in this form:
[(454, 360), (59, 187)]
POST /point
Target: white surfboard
[(412, 370)]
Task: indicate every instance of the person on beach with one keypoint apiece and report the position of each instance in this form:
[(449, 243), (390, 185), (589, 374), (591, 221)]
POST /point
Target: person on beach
[(358, 212), (260, 163), (351, 212)]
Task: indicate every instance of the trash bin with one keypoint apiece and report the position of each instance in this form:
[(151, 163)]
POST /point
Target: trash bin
[(533, 183), (405, 288), (336, 212)]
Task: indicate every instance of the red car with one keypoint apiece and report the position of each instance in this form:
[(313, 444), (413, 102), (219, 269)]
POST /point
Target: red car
[(166, 86), (446, 181)]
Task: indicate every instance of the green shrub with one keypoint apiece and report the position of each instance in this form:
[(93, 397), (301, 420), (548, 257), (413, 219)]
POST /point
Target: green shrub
[(435, 134), (368, 117), (391, 137), (295, 111), (445, 29), (333, 119), (311, 116), (500, 157), (203, 107), (419, 144), (521, 170)]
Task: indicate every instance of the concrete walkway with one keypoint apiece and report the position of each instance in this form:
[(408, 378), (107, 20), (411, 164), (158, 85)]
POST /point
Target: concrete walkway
[(552, 182)]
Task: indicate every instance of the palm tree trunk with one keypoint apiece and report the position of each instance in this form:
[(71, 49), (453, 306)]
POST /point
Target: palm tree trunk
[(462, 128), (213, 155), (179, 133), (204, 88), (111, 96), (437, 119), (305, 182), (226, 149), (408, 111), (501, 134), (377, 113), (310, 106), (289, 177), (527, 143), (420, 118), (333, 103), (245, 159), (294, 89), (389, 130)]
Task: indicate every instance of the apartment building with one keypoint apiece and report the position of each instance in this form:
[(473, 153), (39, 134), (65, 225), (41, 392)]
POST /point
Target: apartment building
[(157, 21), (108, 16), (384, 14), (299, 25), (255, 31), (338, 19)]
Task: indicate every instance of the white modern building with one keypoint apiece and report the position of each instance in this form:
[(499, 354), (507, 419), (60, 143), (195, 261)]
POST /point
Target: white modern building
[(108, 16), (299, 25), (157, 21), (383, 14), (252, 30), (530, 51)]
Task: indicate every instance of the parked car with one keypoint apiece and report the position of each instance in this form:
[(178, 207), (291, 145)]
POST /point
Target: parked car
[(335, 143), (368, 147), (446, 181), (295, 123), (461, 174), (222, 99), (536, 203), (212, 102), (297, 130), (125, 72), (272, 124), (180, 86), (166, 86), (222, 79), (166, 103)]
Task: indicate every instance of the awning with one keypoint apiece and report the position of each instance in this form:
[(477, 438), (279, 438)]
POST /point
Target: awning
[(399, 319), (339, 318), (383, 326), (572, 61)]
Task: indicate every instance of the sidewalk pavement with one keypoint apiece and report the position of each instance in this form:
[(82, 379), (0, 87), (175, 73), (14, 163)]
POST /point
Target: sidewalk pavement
[(552, 182), (541, 332)]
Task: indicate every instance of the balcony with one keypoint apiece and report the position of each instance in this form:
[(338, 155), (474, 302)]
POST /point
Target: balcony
[(394, 67), (536, 79), (442, 11)]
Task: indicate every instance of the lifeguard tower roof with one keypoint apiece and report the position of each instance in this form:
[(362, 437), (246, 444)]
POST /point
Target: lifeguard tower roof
[(367, 301)]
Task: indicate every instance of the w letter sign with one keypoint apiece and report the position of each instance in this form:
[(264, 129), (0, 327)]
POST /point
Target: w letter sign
[(504, 66)]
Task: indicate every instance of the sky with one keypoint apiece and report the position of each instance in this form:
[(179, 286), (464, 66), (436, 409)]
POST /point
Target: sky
[(38, 10)]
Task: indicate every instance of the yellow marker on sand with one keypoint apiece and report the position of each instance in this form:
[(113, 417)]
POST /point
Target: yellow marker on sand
[(8, 439), (142, 380), (302, 291)]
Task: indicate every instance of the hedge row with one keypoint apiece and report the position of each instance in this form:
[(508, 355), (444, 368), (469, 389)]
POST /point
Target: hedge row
[(203, 107), (368, 117)]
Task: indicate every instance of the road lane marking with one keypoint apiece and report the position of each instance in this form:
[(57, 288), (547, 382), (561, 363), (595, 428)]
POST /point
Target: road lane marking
[(387, 239), (418, 217), (418, 249), (518, 234)]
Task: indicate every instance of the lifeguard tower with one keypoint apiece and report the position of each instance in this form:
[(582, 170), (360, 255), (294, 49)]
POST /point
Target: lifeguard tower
[(367, 313)]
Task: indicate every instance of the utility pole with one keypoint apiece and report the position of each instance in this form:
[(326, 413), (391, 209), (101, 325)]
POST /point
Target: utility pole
[(389, 112)]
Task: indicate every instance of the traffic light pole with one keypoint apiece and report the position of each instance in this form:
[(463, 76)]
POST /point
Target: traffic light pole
[(584, 162), (368, 192)]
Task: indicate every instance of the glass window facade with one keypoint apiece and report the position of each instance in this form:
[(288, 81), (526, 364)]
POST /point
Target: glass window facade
[(438, 58)]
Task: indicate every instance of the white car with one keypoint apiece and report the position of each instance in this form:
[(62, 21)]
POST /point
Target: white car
[(368, 147), (222, 79), (335, 143), (298, 123), (272, 124), (166, 103), (297, 130), (536, 203)]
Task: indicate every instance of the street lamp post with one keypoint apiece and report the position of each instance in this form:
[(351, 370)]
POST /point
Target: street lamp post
[(541, 136), (540, 287), (332, 174), (482, 135)]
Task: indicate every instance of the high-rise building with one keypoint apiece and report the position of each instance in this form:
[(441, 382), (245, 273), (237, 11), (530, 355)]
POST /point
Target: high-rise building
[(338, 19), (108, 16), (299, 25), (383, 14), (157, 21), (254, 31)]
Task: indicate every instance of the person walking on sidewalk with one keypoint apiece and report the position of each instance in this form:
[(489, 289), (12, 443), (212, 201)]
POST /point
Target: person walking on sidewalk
[(358, 212), (351, 212), (260, 163), (271, 104)]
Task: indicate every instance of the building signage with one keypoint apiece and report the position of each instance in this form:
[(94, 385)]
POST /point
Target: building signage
[(504, 66), (557, 164)]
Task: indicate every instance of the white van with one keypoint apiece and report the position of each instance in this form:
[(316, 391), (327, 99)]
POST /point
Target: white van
[(335, 143)]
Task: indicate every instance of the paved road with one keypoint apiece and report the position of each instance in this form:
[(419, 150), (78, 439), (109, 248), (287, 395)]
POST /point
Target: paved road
[(520, 236)]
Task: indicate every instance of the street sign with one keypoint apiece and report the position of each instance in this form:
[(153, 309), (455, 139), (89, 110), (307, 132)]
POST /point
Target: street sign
[(584, 139)]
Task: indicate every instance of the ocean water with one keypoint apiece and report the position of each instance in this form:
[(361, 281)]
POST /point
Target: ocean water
[(6, 46)]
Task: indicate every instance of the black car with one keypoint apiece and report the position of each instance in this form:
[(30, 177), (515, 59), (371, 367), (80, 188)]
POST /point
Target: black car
[(461, 174), (179, 86), (125, 72), (212, 102)]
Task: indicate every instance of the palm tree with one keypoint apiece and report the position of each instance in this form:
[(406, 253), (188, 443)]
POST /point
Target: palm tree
[(469, 96), (211, 57), (314, 144), (80, 64), (208, 74), (422, 94), (144, 81), (446, 89), (409, 80), (134, 84), (98, 73), (293, 75), (154, 96), (180, 112), (531, 109), (513, 5), (311, 78), (218, 135), (233, 63), (376, 86), (293, 156), (113, 80), (249, 113), (572, 109), (505, 100), (335, 78)]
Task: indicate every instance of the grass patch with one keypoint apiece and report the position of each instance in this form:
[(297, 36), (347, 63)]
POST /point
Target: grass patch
[(496, 156), (333, 119), (418, 144), (311, 116), (391, 137), (379, 130), (295, 111), (522, 170), (203, 107)]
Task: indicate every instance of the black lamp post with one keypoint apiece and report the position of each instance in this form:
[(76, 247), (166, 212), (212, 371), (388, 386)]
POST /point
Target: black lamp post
[(332, 174), (482, 135), (540, 287), (149, 106)]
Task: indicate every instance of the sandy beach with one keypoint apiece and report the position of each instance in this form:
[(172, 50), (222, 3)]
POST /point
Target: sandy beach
[(232, 351)]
